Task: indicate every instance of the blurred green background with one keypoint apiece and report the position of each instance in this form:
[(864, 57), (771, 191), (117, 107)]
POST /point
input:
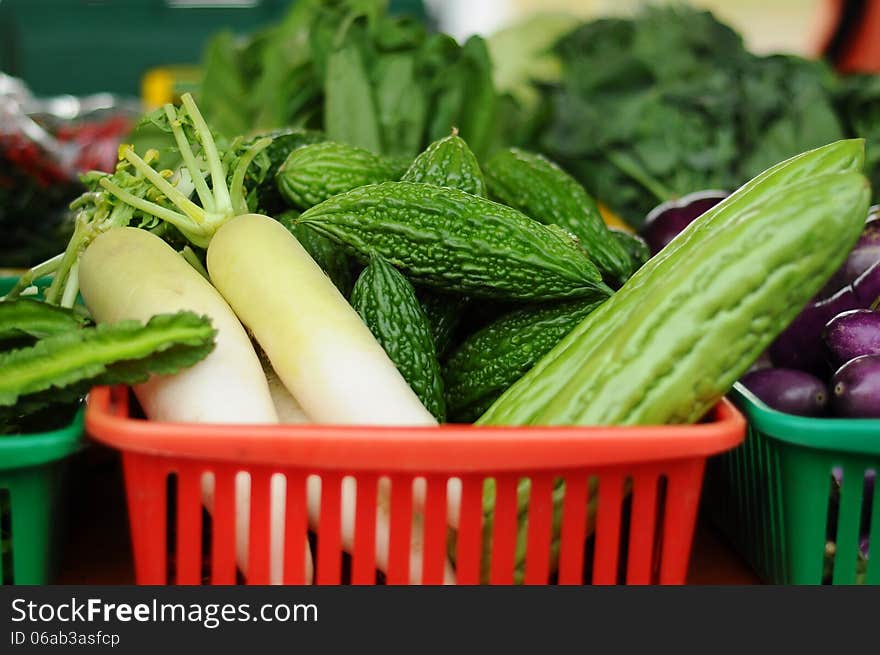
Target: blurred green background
[(93, 46)]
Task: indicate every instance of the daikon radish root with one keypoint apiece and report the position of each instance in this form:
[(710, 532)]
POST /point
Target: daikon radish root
[(286, 405), (278, 504), (319, 347), (316, 342), (129, 273)]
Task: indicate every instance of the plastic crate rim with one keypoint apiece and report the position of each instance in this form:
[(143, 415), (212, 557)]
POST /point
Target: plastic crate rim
[(24, 450), (851, 435), (446, 448)]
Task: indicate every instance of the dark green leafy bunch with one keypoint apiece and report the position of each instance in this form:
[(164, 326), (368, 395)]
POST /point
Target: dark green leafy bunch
[(349, 69), (670, 102)]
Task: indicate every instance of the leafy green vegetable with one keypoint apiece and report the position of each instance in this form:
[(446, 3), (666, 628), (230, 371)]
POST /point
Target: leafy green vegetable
[(67, 364), (225, 78), (401, 103), (857, 101), (523, 56), (32, 318), (349, 113), (351, 70), (670, 102)]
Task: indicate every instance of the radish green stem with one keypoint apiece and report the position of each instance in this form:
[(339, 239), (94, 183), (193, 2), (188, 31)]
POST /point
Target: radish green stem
[(189, 158), (190, 256), (220, 203), (239, 203), (187, 206), (178, 220), (218, 174), (71, 288), (47, 267), (71, 254)]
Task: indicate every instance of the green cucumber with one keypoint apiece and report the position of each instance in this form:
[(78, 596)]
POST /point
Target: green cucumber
[(315, 172), (539, 188), (387, 303), (451, 240), (490, 360), (327, 254), (448, 162)]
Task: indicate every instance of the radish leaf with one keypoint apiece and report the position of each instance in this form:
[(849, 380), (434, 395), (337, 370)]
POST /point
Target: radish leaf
[(126, 352)]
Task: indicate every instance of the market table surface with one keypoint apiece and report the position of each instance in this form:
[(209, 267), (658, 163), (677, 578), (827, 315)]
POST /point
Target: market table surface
[(97, 548)]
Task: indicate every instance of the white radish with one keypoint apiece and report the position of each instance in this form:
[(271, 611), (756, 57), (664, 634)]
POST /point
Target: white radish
[(289, 410), (129, 273), (316, 342), (318, 345)]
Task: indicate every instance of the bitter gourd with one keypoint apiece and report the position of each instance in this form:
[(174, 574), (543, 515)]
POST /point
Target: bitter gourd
[(454, 241), (448, 162), (539, 188), (387, 303), (703, 316), (315, 172), (284, 141), (496, 356), (444, 314), (695, 316)]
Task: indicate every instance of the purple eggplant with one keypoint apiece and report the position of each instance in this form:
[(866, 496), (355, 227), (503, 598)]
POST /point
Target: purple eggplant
[(852, 334), (864, 254), (666, 220), (788, 390), (866, 288), (856, 388), (799, 346)]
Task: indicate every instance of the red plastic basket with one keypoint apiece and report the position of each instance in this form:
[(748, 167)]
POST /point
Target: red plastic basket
[(646, 482)]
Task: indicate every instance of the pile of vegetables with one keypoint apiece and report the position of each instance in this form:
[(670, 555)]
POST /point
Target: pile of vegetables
[(487, 291), (341, 232)]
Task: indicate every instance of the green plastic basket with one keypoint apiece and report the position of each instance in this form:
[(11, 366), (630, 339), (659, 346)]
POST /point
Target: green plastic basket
[(32, 479), (772, 496)]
